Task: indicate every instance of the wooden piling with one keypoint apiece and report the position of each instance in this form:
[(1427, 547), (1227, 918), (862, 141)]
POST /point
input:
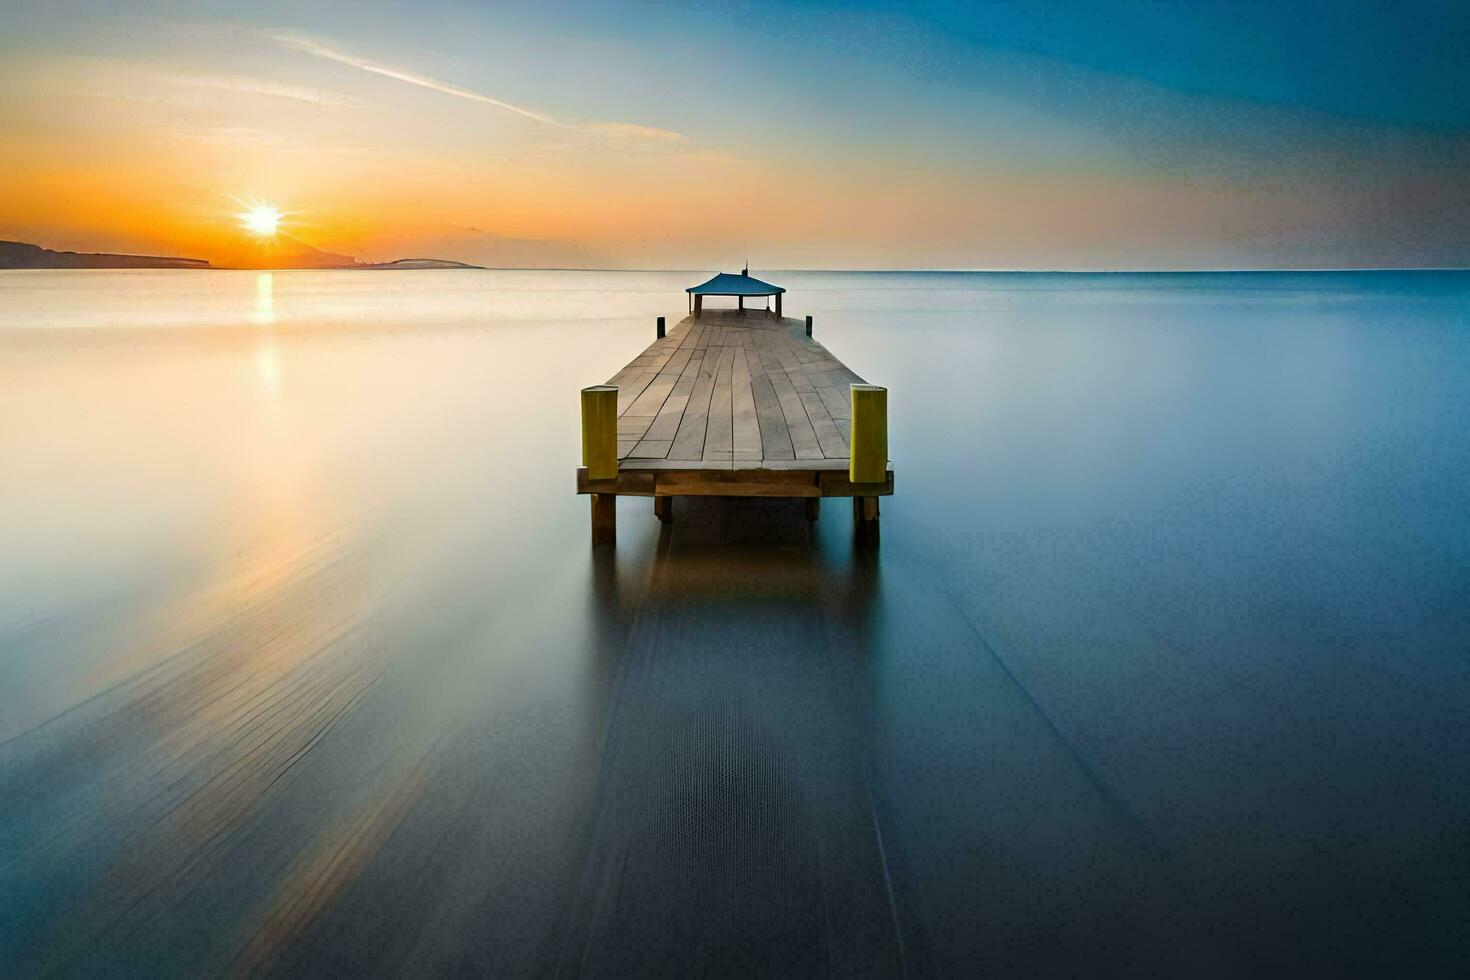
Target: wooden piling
[(865, 523), (604, 518), (813, 507), (600, 432), (663, 508), (868, 462)]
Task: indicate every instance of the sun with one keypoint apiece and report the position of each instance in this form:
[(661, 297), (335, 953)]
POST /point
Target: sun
[(261, 219)]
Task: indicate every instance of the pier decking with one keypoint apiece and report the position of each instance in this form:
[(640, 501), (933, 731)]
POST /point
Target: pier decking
[(736, 403)]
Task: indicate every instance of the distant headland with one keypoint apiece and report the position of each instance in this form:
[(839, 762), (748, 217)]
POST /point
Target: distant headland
[(23, 255)]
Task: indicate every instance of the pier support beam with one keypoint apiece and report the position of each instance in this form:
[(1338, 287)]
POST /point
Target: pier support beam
[(604, 518), (813, 507), (663, 509)]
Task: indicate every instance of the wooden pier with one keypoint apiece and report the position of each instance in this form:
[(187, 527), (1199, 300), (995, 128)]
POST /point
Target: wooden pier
[(734, 403)]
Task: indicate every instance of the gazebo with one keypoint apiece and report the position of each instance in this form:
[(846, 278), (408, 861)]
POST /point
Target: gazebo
[(730, 284)]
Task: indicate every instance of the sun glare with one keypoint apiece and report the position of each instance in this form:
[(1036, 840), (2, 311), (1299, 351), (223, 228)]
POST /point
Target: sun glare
[(262, 219)]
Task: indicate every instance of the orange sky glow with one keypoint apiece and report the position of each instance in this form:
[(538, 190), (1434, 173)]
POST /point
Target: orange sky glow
[(500, 148)]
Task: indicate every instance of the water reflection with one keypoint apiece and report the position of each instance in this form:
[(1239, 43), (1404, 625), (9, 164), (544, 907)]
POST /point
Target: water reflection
[(735, 803), (268, 368), (265, 298)]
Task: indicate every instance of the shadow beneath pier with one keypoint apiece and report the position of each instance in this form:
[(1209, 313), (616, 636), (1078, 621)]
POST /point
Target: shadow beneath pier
[(735, 823)]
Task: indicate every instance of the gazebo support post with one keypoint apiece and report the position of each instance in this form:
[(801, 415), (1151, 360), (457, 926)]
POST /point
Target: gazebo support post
[(742, 303), (698, 305), (778, 306)]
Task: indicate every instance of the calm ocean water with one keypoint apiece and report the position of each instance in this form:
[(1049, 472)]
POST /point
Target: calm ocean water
[(305, 663)]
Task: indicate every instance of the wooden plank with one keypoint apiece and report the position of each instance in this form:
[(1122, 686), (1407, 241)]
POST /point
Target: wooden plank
[(630, 391), (751, 488), (633, 426), (650, 449), (829, 437), (737, 483), (666, 424), (834, 483), (810, 465), (798, 426), (652, 399), (689, 441), (838, 403), (720, 430), (677, 363), (626, 482), (775, 437), (646, 465), (745, 426)]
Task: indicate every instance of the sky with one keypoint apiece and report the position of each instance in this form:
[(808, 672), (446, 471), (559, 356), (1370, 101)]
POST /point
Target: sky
[(1062, 135)]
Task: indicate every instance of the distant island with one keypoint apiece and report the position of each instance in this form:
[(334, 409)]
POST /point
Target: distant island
[(412, 264), (22, 255)]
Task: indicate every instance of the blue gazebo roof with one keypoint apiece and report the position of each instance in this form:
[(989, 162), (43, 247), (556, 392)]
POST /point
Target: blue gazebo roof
[(734, 284)]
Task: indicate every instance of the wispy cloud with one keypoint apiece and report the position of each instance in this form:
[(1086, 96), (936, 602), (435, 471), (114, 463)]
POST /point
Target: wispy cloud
[(635, 131), (616, 129), (256, 86)]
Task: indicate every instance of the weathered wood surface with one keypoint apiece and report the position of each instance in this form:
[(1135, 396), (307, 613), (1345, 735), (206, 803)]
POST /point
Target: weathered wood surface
[(744, 391), (710, 479)]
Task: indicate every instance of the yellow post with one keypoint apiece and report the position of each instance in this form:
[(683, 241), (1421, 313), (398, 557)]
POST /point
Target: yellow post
[(868, 462), (600, 431)]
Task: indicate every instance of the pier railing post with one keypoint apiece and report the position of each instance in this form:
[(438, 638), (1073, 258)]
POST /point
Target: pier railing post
[(808, 324), (868, 462), (600, 432), (600, 455), (660, 328)]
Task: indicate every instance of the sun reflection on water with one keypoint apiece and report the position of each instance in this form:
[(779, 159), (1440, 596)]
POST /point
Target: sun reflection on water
[(265, 299)]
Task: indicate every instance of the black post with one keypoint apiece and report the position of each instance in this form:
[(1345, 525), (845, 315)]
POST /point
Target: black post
[(808, 325), (661, 328)]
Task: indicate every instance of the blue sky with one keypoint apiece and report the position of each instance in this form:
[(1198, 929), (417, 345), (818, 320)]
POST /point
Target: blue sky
[(1076, 135)]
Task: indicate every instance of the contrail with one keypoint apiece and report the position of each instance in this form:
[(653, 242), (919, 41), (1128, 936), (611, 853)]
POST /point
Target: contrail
[(433, 84)]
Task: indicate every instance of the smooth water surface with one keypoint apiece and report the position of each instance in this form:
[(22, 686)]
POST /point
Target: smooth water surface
[(306, 665)]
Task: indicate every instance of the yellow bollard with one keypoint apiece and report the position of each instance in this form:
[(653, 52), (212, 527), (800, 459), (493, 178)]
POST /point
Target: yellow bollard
[(600, 432), (868, 462)]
